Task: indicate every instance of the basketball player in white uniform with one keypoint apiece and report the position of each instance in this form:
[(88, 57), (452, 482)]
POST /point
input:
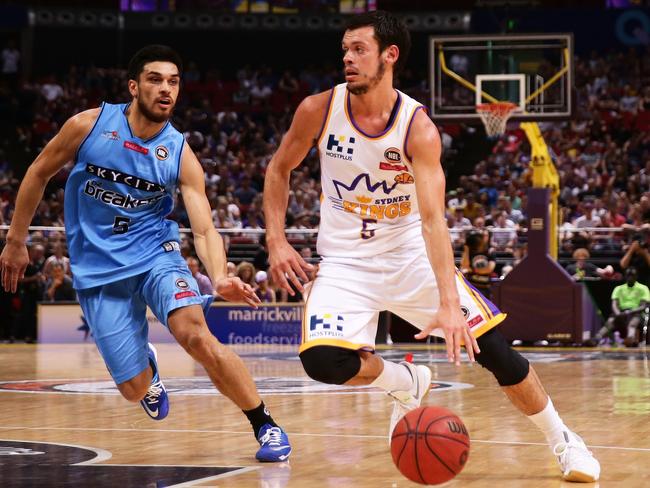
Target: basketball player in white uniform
[(385, 245)]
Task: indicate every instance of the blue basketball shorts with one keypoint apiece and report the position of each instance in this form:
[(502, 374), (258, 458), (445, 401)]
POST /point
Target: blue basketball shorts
[(116, 312)]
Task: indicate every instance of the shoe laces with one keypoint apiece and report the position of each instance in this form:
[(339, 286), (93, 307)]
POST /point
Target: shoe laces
[(154, 391), (272, 436), (562, 448)]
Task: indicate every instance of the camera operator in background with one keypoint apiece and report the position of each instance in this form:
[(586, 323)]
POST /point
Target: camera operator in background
[(477, 264), (637, 256)]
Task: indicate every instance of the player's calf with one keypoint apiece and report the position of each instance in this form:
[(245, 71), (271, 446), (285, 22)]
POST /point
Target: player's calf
[(522, 386)]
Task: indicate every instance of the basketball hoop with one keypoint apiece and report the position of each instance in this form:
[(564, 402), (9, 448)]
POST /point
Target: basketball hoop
[(495, 116)]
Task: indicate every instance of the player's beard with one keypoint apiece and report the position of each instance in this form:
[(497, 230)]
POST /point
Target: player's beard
[(150, 114), (372, 82)]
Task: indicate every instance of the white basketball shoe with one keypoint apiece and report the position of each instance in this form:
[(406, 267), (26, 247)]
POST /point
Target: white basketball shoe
[(407, 400), (576, 461)]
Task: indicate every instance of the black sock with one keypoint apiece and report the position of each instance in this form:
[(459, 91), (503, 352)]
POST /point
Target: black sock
[(258, 417)]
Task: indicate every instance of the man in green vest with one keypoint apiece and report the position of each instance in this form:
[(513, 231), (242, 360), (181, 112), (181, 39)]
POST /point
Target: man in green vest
[(629, 307)]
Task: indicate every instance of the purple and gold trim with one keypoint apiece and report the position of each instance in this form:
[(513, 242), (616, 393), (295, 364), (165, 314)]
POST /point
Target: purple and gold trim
[(326, 117), (408, 131), (392, 120)]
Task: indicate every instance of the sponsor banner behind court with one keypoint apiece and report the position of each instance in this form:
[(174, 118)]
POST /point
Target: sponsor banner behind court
[(268, 324), (63, 323)]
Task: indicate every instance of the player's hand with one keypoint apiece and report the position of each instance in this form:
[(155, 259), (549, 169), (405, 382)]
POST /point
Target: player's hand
[(235, 290), (13, 262), (287, 265), (457, 332)]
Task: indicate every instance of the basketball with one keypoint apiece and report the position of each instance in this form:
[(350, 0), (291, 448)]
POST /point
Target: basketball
[(430, 445)]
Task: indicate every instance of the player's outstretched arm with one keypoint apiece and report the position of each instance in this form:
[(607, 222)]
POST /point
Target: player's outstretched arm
[(425, 148), (207, 241), (286, 264), (60, 150)]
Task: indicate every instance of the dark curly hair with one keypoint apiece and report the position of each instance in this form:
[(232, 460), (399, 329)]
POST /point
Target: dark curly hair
[(389, 30), (151, 53)]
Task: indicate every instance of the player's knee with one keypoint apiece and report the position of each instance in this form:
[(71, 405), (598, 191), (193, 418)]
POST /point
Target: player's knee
[(329, 364), (507, 365), (197, 342)]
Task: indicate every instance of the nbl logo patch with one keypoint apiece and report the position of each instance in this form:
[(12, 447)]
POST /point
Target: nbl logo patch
[(162, 152), (393, 155), (185, 286)]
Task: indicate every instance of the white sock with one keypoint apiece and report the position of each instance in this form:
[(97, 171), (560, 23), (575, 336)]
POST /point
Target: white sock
[(550, 423), (394, 377)]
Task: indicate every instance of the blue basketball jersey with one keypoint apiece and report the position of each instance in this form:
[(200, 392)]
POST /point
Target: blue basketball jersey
[(117, 197)]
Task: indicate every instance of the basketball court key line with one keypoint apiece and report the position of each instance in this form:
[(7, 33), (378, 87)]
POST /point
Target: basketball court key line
[(294, 434)]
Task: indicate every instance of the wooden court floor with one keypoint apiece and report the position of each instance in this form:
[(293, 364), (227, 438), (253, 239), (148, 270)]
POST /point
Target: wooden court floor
[(62, 422)]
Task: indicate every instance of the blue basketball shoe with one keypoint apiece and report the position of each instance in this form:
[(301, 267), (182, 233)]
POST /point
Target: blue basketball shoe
[(155, 402), (274, 445)]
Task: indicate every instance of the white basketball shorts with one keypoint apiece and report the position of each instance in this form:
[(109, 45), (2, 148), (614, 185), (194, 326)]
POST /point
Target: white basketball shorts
[(343, 302)]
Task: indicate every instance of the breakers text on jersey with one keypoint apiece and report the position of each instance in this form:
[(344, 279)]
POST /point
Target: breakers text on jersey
[(94, 190)]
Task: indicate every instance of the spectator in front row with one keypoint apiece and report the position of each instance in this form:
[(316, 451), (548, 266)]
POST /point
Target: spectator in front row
[(59, 286), (246, 273), (58, 258), (205, 285), (629, 302), (504, 234), (31, 291), (477, 264), (582, 269), (262, 288)]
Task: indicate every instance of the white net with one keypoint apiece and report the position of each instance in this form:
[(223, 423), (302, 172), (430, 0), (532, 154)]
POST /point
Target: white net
[(495, 116)]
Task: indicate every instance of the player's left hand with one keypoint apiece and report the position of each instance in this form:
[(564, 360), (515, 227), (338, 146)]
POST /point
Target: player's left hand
[(235, 290), (457, 333), (13, 263)]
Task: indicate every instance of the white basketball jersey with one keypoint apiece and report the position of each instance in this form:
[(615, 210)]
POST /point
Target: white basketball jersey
[(368, 204)]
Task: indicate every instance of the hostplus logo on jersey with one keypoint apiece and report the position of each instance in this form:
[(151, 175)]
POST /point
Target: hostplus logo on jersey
[(325, 325), (340, 147)]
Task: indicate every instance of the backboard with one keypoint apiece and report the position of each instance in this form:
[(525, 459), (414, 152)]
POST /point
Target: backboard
[(533, 71)]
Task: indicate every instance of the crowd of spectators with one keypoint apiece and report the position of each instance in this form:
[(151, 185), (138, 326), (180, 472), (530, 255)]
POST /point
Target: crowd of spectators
[(603, 159), (235, 123)]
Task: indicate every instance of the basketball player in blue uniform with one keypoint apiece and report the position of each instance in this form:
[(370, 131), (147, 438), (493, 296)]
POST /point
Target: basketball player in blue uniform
[(385, 245), (125, 254)]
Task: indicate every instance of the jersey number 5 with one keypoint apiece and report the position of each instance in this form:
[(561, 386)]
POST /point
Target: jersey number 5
[(121, 225), (365, 232)]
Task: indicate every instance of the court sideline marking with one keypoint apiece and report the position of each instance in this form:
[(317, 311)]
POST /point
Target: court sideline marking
[(294, 434)]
